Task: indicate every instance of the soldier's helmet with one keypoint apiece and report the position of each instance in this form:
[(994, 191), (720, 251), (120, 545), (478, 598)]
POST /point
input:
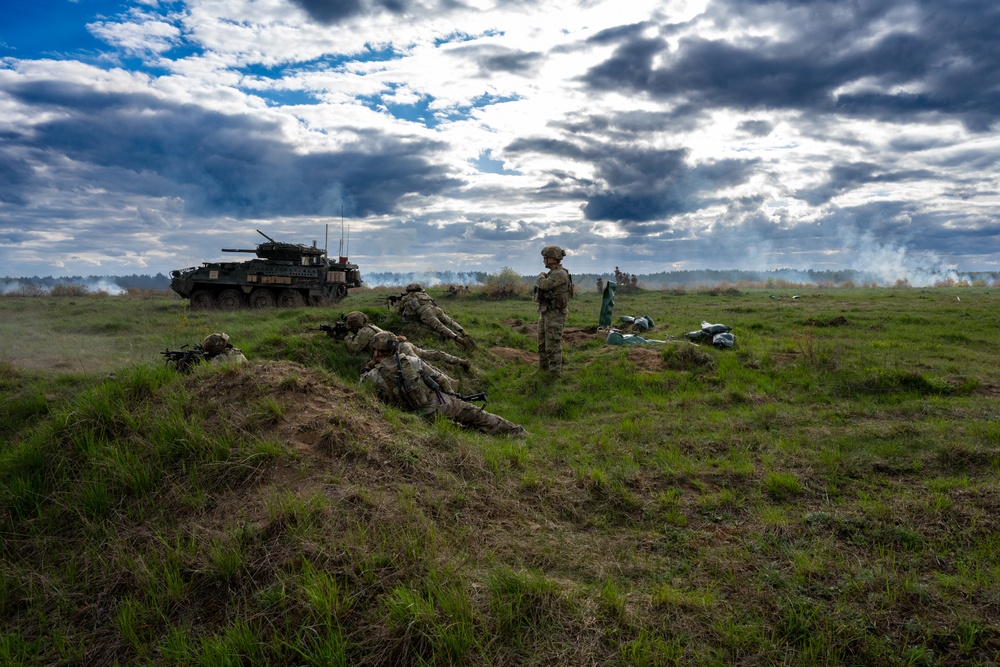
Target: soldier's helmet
[(383, 342), (356, 319), (553, 252), (414, 287), (215, 343)]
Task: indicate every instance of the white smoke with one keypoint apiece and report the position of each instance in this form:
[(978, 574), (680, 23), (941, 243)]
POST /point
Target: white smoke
[(888, 264), (31, 288), (105, 285), (424, 278)]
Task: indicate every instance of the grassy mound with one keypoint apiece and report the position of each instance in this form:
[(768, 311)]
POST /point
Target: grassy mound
[(826, 492)]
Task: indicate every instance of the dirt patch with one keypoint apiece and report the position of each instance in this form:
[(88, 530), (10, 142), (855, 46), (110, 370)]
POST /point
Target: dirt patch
[(571, 335), (646, 358), (312, 408), (838, 321), (989, 389), (513, 354)]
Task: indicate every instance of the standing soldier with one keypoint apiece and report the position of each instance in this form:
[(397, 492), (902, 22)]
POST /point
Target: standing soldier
[(419, 305), (414, 385), (600, 285), (552, 291)]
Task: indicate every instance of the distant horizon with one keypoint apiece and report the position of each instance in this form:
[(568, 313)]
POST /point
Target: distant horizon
[(655, 280)]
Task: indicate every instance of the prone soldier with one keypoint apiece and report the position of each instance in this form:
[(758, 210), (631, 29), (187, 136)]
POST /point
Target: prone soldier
[(358, 333), (218, 349), (215, 348), (418, 304), (411, 383)]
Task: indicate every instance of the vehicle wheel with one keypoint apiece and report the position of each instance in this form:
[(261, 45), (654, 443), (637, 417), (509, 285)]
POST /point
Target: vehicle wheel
[(289, 298), (202, 299), (231, 299), (261, 298)]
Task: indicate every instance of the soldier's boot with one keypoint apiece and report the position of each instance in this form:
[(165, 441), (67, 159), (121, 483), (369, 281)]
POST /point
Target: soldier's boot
[(465, 364)]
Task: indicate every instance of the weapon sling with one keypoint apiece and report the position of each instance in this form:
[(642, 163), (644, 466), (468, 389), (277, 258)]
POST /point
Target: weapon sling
[(404, 389)]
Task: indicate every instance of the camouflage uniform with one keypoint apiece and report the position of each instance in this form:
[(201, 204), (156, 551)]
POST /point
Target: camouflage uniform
[(415, 392), (416, 304), (218, 350), (359, 340), (362, 333), (553, 294)]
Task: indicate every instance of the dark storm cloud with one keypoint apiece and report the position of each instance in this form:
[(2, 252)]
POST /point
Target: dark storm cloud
[(846, 177), (555, 147), (626, 126), (756, 128), (15, 173), (618, 34), (498, 59), (945, 63), (638, 184), (501, 231), (329, 12), (218, 163)]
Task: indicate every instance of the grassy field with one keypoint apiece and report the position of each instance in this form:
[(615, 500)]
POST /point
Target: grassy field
[(824, 493)]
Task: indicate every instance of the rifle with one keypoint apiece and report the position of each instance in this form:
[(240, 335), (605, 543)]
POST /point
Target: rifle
[(481, 396), (339, 329), (183, 359), (392, 299)]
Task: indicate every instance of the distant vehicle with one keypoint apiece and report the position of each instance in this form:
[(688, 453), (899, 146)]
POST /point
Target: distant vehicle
[(286, 275)]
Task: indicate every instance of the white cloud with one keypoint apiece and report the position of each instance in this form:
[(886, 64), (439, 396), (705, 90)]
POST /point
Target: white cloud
[(673, 134)]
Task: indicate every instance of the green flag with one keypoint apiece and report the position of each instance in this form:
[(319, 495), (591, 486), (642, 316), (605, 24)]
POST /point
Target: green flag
[(608, 303)]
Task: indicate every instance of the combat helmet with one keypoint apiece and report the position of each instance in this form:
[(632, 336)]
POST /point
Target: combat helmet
[(356, 319), (414, 287), (553, 252), (383, 342), (215, 343)]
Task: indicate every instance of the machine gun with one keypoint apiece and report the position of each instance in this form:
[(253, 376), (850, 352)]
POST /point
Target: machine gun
[(184, 359), (338, 329)]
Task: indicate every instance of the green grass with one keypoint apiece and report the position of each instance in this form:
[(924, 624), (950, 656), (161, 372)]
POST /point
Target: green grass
[(824, 493)]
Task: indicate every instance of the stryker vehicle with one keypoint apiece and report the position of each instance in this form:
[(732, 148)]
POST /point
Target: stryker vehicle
[(287, 275)]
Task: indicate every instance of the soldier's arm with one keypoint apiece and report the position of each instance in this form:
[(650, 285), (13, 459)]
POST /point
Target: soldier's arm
[(428, 371), (355, 342), (373, 380), (555, 279)]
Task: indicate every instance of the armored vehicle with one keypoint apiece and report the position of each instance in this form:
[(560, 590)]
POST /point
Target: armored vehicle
[(284, 274)]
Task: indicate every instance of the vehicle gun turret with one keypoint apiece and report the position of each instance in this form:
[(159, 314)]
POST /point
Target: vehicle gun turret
[(283, 274)]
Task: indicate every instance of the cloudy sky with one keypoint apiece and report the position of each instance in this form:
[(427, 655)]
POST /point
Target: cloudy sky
[(143, 136)]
